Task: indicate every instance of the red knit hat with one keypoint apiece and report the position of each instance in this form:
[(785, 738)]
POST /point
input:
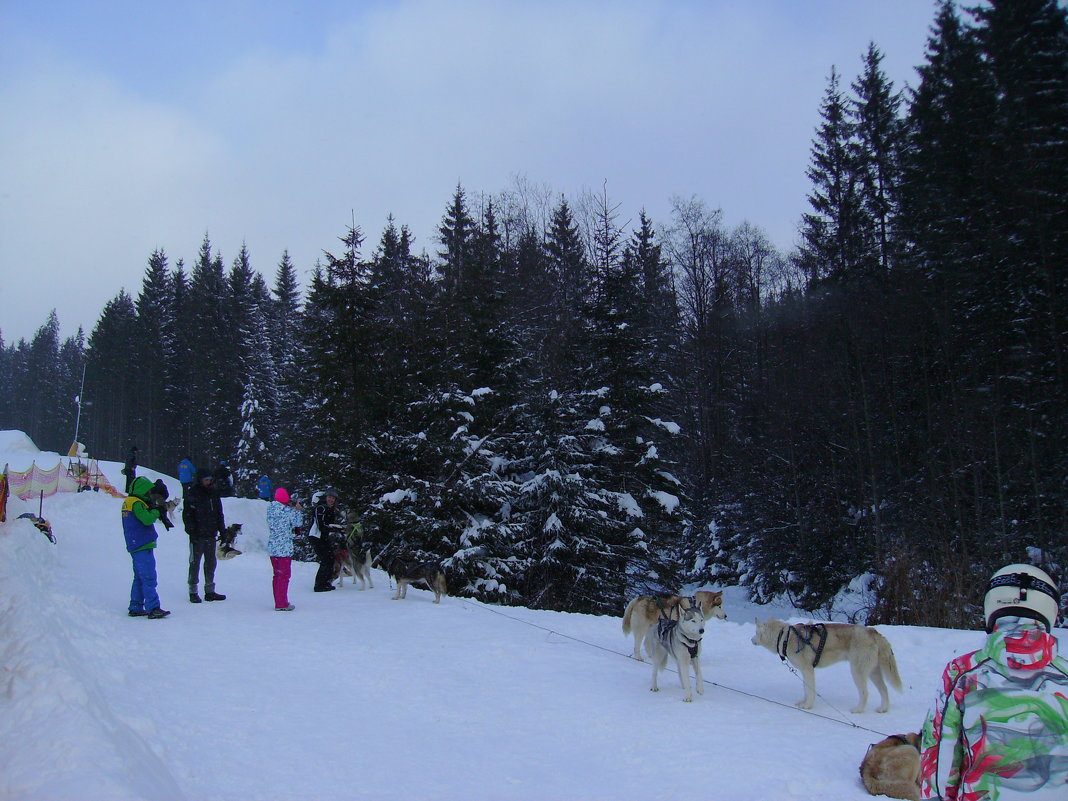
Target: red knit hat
[(281, 495)]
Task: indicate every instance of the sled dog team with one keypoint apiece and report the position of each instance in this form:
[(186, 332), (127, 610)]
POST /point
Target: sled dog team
[(998, 728), (672, 627)]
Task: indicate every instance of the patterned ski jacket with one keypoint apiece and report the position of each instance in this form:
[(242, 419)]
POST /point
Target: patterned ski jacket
[(999, 726), (281, 520)]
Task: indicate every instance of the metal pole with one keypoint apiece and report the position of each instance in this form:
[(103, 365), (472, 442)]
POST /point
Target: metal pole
[(78, 400)]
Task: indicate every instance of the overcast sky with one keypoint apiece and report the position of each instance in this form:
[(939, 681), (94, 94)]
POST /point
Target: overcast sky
[(131, 125)]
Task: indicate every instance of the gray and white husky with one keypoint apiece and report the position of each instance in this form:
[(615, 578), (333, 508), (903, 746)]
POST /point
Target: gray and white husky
[(808, 646), (353, 559), (680, 639)]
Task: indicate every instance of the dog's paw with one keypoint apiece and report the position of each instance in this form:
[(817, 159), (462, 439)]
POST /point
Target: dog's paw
[(688, 699), (802, 704), (700, 690)]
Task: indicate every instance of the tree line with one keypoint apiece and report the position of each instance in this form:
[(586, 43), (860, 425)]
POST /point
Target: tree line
[(569, 408)]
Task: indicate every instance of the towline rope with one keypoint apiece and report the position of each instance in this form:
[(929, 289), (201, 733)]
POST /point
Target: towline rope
[(840, 721)]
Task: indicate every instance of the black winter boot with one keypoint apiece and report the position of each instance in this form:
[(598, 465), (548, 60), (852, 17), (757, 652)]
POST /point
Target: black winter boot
[(214, 596), (194, 598)]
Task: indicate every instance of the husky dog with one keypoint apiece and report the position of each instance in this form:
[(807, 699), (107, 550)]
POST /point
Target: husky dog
[(644, 611), (812, 645), (681, 639), (892, 767), (405, 573), (353, 560), (225, 549)]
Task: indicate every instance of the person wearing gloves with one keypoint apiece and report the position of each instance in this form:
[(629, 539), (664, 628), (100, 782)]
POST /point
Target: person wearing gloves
[(282, 520), (999, 725), (202, 516), (323, 532), (138, 526)]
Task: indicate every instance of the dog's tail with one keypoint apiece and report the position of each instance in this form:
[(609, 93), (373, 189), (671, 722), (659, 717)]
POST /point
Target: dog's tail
[(887, 662), (627, 613)]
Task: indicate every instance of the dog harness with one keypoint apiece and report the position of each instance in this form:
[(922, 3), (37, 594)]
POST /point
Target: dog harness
[(817, 630), (664, 627), (675, 608)]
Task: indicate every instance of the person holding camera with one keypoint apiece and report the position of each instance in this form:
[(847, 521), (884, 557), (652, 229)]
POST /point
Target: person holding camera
[(138, 527)]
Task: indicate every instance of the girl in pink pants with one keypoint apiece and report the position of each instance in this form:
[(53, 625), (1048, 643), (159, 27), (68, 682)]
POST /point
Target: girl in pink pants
[(282, 519)]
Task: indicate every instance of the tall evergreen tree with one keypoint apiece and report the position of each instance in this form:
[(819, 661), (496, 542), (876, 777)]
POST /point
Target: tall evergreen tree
[(877, 154), (832, 233), (259, 401), (179, 339), (340, 352), (154, 305), (236, 343), (284, 348), (45, 391), (111, 394), (210, 365), (571, 281)]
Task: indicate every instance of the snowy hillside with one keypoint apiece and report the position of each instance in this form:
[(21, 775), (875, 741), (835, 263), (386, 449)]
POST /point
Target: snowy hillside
[(354, 695)]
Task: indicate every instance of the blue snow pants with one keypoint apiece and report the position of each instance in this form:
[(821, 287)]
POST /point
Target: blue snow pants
[(143, 595)]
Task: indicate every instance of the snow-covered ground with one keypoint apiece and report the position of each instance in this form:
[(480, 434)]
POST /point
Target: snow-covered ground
[(354, 695)]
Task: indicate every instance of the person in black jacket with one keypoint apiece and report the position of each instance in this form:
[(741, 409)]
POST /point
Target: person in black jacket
[(323, 533), (202, 515)]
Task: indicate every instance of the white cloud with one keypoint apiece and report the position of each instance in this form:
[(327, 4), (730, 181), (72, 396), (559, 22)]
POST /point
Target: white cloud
[(390, 109)]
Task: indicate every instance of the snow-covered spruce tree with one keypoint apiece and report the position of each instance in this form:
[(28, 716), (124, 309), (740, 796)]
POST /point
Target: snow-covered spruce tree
[(570, 280), (178, 357), (259, 403), (210, 362), (153, 317), (340, 349), (235, 340), (448, 496), (633, 415), (579, 536), (108, 424), (285, 348), (47, 407)]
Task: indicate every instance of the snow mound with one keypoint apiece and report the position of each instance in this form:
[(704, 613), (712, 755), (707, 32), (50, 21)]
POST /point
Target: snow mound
[(53, 705)]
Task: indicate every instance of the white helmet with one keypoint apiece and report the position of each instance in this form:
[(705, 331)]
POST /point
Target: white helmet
[(1023, 591)]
